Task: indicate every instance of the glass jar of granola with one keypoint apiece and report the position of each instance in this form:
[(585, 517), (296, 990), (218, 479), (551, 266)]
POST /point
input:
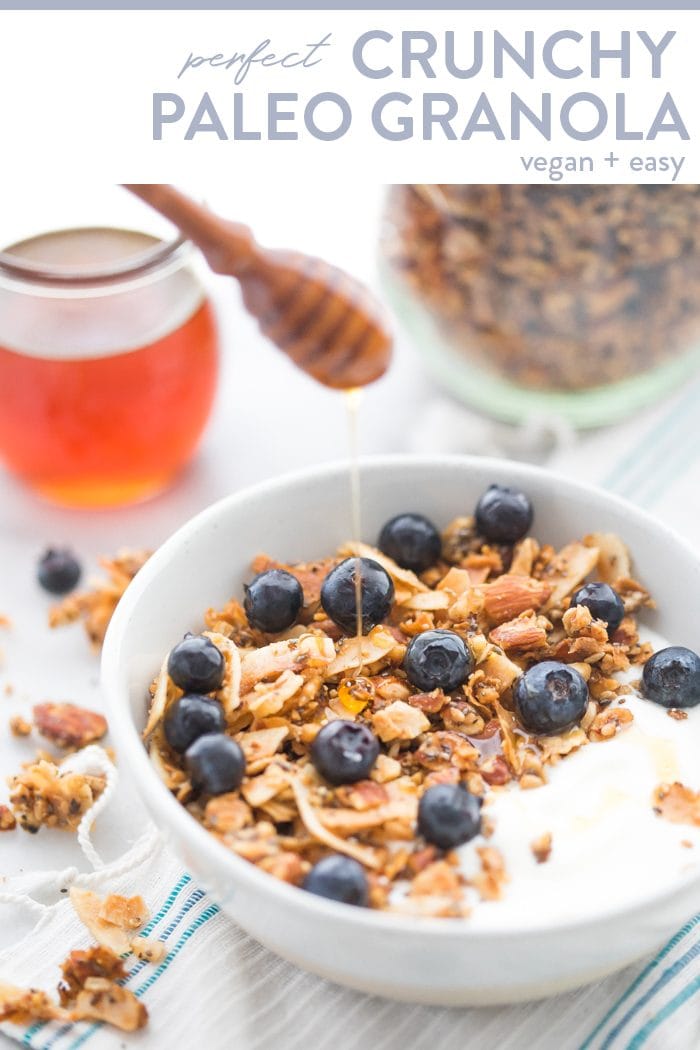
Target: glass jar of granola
[(576, 301)]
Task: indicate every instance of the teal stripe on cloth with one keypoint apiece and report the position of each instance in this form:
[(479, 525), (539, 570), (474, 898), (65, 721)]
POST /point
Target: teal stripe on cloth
[(664, 1014), (640, 978), (666, 977)]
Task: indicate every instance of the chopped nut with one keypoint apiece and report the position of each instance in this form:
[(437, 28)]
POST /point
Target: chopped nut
[(225, 813), (7, 819), (609, 722), (68, 725), (493, 876), (542, 847), (102, 1000), (128, 912), (111, 921), (149, 949), (511, 595), (677, 803), (19, 726), (399, 721), (678, 713), (527, 631), (364, 794)]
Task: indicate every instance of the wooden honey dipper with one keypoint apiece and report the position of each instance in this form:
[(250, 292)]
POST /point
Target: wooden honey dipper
[(322, 318)]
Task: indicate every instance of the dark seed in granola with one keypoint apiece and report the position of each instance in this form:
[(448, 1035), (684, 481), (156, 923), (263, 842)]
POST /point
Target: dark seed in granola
[(59, 570), (190, 717), (196, 665), (550, 697), (215, 763), (339, 879), (503, 515), (344, 752), (671, 677), (339, 594), (449, 815), (273, 601), (412, 541), (604, 603), (438, 660)]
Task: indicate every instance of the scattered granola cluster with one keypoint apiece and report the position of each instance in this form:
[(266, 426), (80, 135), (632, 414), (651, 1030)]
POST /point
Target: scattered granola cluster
[(96, 606), (355, 765), (91, 985), (555, 288)]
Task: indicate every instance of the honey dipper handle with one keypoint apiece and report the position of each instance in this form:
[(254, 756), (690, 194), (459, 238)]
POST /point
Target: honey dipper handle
[(228, 247)]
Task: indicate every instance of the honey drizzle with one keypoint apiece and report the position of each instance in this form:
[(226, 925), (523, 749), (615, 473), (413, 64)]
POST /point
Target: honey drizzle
[(353, 399)]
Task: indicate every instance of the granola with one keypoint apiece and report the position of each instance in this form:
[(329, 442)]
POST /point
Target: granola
[(42, 795), (96, 606), (509, 607), (566, 287), (88, 990)]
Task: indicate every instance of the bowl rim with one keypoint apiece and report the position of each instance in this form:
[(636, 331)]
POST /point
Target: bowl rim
[(130, 745)]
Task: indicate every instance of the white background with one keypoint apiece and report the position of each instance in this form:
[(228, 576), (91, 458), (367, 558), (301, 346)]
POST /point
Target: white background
[(76, 87)]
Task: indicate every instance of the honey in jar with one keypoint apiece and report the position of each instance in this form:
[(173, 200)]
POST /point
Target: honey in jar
[(108, 363)]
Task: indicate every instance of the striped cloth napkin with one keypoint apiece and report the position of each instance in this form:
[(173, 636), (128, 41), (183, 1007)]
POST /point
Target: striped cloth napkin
[(217, 988)]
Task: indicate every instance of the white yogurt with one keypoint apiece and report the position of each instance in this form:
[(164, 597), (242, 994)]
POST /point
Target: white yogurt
[(609, 848)]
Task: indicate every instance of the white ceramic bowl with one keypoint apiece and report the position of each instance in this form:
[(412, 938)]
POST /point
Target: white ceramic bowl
[(306, 515)]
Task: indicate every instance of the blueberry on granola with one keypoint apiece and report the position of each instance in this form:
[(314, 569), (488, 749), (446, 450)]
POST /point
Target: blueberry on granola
[(503, 515), (550, 697), (671, 677), (604, 603), (59, 570), (339, 594), (412, 541), (344, 752), (273, 601), (449, 815), (215, 763), (338, 878), (438, 660), (189, 717), (197, 665)]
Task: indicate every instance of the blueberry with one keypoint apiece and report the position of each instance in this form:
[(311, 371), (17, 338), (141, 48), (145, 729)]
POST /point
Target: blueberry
[(196, 665), (671, 677), (604, 603), (339, 594), (449, 815), (59, 570), (503, 515), (550, 697), (191, 717), (215, 763), (437, 660), (273, 601), (412, 541), (344, 751), (339, 879)]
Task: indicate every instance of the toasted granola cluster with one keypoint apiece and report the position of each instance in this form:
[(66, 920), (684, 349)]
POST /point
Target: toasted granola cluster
[(96, 606), (44, 795), (556, 288), (510, 604)]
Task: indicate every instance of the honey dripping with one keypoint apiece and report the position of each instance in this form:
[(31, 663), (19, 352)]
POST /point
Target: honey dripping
[(355, 693)]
